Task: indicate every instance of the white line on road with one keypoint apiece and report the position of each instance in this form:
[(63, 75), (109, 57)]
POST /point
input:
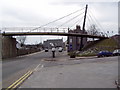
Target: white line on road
[(36, 69)]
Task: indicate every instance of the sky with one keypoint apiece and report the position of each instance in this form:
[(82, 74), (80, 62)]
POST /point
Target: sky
[(34, 13)]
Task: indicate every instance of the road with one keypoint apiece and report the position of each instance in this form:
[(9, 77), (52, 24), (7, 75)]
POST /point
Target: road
[(93, 73), (13, 69)]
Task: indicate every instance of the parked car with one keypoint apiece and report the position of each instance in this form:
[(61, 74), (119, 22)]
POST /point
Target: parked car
[(104, 53), (60, 49), (46, 50), (116, 52)]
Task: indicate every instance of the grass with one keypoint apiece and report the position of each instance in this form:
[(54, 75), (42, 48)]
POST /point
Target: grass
[(106, 44)]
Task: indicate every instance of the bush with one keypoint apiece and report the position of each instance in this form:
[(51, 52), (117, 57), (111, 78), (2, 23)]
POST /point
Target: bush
[(72, 54)]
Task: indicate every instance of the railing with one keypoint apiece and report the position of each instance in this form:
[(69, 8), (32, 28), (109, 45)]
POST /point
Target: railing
[(30, 29), (46, 29)]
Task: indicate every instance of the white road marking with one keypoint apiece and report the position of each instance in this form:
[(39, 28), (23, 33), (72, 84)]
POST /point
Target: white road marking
[(42, 66), (37, 67)]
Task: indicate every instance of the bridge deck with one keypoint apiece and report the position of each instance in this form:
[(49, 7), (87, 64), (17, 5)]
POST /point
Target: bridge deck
[(52, 33)]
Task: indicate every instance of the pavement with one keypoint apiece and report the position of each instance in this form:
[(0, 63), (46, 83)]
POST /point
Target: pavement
[(74, 73)]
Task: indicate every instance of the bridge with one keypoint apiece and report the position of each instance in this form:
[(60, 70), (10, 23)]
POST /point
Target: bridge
[(79, 36), (54, 33), (59, 30)]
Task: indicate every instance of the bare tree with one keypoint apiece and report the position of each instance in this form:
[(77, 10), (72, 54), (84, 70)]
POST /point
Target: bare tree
[(93, 30), (21, 40)]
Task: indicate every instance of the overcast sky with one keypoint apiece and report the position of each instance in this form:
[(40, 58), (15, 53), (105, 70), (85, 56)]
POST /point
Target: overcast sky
[(34, 13)]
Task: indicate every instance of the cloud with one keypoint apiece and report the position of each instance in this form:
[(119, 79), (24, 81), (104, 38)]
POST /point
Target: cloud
[(39, 12)]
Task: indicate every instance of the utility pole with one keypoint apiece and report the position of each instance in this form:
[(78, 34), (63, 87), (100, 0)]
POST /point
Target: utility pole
[(83, 28)]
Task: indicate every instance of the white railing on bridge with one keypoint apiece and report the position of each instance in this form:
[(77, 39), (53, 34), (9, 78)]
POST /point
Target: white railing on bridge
[(31, 29), (46, 29)]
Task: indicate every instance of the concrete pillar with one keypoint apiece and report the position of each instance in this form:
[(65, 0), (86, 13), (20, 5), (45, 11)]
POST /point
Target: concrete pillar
[(8, 47), (0, 46), (0, 60)]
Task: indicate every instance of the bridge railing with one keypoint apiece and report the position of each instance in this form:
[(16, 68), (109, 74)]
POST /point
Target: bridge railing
[(46, 29), (31, 29), (97, 34)]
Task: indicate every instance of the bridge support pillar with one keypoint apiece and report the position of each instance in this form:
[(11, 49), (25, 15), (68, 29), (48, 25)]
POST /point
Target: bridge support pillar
[(8, 47), (0, 58), (0, 46), (81, 44)]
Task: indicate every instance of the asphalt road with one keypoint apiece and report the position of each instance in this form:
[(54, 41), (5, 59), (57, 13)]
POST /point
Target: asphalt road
[(92, 73), (14, 68)]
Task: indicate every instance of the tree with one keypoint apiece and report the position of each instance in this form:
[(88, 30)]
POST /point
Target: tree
[(93, 30), (21, 40)]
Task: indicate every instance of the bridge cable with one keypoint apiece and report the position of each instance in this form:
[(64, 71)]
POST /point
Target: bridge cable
[(92, 19), (96, 21), (57, 19), (77, 22), (88, 23), (71, 19)]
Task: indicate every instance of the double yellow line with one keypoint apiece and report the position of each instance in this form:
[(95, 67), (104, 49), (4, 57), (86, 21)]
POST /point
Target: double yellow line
[(20, 80)]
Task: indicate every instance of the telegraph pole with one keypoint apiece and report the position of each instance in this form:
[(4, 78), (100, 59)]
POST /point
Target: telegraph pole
[(83, 28)]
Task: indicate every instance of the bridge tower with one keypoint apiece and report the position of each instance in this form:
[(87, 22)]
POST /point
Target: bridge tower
[(83, 28)]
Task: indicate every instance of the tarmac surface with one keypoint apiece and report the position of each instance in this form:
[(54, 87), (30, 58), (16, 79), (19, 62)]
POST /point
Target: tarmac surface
[(80, 73)]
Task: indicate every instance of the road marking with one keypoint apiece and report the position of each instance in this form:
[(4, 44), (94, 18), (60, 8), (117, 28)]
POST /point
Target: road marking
[(37, 67), (23, 79), (42, 66), (16, 83), (18, 80)]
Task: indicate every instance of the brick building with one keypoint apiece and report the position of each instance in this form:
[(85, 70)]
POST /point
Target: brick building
[(74, 42)]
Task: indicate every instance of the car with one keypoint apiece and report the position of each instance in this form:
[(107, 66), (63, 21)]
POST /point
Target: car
[(46, 50), (116, 52), (60, 49), (104, 53)]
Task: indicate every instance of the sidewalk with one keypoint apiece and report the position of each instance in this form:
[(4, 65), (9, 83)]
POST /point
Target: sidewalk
[(85, 75)]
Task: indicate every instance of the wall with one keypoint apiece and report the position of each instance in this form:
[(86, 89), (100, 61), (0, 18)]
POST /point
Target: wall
[(8, 47), (0, 47)]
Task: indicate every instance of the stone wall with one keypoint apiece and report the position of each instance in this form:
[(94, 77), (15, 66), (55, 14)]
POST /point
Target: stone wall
[(8, 47)]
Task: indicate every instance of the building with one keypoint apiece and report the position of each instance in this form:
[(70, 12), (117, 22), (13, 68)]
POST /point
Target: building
[(74, 43), (53, 43)]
